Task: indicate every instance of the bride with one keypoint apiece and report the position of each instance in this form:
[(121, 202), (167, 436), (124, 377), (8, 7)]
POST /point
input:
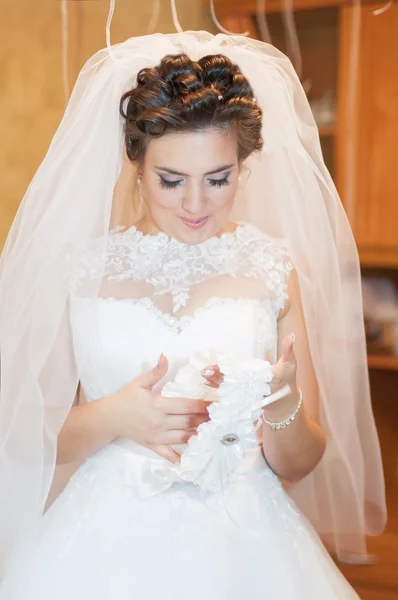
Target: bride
[(181, 321)]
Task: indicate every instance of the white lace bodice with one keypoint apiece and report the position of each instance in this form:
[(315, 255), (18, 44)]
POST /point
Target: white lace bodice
[(159, 295)]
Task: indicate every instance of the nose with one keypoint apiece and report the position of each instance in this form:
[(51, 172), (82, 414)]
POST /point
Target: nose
[(194, 199)]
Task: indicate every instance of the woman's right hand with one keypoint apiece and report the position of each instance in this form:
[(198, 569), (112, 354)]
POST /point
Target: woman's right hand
[(152, 420)]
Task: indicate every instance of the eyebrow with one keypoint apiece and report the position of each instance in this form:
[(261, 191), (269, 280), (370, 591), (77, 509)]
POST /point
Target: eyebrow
[(173, 172)]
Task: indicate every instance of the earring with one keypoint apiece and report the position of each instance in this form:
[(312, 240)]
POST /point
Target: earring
[(139, 179)]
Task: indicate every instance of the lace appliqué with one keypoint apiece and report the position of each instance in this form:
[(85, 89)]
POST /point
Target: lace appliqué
[(169, 265), (172, 267)]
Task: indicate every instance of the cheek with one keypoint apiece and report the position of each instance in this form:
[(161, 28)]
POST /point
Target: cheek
[(223, 198), (159, 199)]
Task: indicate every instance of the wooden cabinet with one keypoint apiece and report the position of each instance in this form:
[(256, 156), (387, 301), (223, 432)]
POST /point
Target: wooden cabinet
[(361, 146), (367, 177)]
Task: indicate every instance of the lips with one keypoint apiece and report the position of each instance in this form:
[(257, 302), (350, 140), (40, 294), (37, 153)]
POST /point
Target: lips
[(195, 223)]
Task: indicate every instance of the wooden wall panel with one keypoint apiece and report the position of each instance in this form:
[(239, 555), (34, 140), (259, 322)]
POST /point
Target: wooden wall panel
[(31, 97), (372, 202), (31, 93)]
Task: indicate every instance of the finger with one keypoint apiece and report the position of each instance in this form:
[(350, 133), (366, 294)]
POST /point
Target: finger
[(184, 406), (287, 349), (168, 453), (211, 370), (212, 384), (185, 422), (215, 381), (217, 378), (283, 371), (149, 379)]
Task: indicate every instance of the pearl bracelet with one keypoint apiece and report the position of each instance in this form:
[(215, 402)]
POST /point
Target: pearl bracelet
[(286, 422)]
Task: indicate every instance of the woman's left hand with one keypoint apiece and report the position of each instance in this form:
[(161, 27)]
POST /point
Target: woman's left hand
[(284, 371)]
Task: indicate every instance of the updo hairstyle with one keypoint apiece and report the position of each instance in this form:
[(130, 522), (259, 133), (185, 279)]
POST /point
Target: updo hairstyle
[(184, 95)]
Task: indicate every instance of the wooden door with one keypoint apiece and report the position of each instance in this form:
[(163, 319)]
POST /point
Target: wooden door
[(367, 154)]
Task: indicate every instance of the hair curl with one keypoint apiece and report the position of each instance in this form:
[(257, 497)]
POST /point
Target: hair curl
[(184, 95)]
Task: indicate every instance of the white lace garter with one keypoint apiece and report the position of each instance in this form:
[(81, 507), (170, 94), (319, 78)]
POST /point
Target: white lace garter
[(212, 457)]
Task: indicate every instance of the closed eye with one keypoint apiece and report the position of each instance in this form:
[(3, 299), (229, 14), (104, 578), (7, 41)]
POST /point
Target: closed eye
[(219, 182), (169, 185)]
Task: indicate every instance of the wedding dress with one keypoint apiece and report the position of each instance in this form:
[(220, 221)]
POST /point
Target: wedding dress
[(122, 530)]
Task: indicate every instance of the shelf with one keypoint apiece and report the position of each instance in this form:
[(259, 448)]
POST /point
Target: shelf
[(379, 257), (386, 362), (249, 7), (327, 130)]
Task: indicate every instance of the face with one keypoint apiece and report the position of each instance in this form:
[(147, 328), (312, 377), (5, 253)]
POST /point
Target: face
[(189, 183)]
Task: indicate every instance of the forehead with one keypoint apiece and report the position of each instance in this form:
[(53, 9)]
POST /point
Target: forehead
[(193, 152)]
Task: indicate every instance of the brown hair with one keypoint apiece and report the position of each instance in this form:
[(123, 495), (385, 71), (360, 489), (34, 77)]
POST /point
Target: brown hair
[(184, 95)]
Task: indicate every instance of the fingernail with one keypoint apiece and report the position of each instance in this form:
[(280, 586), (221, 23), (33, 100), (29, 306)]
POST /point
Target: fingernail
[(208, 372), (160, 358), (293, 338)]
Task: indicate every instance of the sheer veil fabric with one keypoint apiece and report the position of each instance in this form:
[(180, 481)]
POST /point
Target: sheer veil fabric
[(85, 187)]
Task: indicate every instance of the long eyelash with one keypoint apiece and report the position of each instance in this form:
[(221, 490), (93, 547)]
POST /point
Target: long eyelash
[(219, 182), (168, 185)]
